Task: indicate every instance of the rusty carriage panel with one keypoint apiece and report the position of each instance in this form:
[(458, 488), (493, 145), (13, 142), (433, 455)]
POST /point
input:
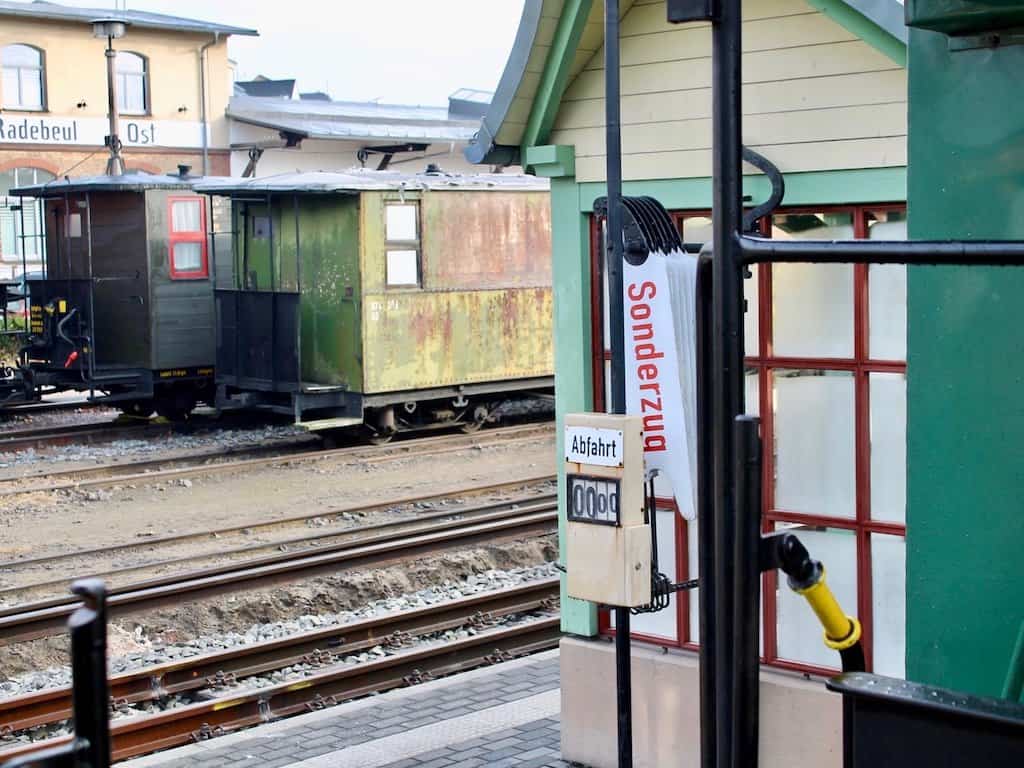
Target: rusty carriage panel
[(434, 339), (475, 240)]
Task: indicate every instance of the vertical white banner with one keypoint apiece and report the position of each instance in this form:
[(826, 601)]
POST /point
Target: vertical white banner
[(655, 372)]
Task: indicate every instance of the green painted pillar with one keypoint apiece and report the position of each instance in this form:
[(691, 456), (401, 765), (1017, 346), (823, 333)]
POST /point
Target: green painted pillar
[(965, 431), (570, 248)]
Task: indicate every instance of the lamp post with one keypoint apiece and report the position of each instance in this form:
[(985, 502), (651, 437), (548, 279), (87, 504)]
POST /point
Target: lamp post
[(111, 29)]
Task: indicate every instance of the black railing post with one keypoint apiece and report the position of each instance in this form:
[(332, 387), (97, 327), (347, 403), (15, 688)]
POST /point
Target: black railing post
[(746, 586), (727, 357), (89, 691), (706, 513), (613, 148)]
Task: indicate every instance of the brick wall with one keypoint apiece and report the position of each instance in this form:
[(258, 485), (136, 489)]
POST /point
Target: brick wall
[(87, 162)]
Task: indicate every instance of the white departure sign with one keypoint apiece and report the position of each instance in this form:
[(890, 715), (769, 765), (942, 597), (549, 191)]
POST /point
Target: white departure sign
[(593, 499), (593, 445)]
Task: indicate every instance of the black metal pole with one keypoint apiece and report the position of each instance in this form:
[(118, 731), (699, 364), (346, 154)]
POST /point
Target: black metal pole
[(727, 364), (923, 252), (705, 513), (89, 690), (747, 587), (613, 148)]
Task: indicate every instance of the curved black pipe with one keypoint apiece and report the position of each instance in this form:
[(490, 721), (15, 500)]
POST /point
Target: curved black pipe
[(769, 169)]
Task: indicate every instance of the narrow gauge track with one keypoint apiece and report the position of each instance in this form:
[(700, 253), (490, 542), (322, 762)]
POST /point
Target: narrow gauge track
[(266, 526), (315, 541), (34, 620), (41, 406), (207, 462), (321, 647), (91, 432)]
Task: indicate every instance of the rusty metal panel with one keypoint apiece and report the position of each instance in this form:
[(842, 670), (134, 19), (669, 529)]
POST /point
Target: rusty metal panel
[(485, 239), (427, 339)]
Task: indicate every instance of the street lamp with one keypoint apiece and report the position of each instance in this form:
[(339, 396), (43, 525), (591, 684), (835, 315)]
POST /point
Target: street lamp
[(112, 29)]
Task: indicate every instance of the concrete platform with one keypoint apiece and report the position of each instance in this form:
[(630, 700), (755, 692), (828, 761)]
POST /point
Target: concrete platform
[(505, 715)]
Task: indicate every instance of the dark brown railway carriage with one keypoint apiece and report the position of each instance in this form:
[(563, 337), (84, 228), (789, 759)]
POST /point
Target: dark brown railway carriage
[(125, 307)]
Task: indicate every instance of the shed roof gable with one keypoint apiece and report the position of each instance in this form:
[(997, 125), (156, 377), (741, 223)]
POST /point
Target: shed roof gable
[(557, 38)]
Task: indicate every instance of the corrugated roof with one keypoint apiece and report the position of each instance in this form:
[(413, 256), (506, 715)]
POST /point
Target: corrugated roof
[(366, 121), (276, 89), (45, 10), (358, 180), (129, 182)]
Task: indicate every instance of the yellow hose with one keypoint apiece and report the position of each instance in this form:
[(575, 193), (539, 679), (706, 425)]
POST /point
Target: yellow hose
[(841, 631)]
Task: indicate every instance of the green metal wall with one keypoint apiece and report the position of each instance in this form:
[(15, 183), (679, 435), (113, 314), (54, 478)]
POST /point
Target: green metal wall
[(331, 313), (965, 523), (328, 277)]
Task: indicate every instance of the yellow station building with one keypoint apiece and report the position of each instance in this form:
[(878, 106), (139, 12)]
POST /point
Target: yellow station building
[(174, 81)]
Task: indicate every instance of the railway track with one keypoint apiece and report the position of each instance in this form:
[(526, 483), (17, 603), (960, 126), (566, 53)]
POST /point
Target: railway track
[(77, 562), (92, 432), (508, 623), (43, 406), (486, 526), (213, 461)]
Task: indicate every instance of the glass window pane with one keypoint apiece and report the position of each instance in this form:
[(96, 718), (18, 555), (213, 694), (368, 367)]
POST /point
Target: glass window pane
[(799, 633), (22, 56), (752, 392), (812, 310), (185, 216), (401, 222), (188, 257), (11, 88), (814, 442), (887, 307), (130, 62), (750, 318), (402, 268), (889, 603), (32, 88), (132, 93), (697, 229), (888, 397), (812, 305)]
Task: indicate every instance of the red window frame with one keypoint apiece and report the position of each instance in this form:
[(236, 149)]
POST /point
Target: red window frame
[(174, 237), (860, 365)]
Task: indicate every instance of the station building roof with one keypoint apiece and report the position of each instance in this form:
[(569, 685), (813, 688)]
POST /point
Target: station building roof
[(144, 19), (361, 179)]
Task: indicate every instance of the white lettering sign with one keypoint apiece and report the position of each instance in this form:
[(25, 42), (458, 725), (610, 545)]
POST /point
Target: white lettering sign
[(592, 445), (90, 131)]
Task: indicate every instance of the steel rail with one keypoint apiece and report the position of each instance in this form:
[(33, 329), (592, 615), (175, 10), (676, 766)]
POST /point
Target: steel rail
[(92, 432), (322, 646), (351, 535), (283, 522), (195, 722), (43, 619), (111, 474)]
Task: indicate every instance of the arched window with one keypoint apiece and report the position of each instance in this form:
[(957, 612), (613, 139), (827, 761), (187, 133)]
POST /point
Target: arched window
[(132, 86), (24, 77), (21, 232)]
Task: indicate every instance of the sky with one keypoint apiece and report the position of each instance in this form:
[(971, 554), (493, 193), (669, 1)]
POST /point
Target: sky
[(395, 51)]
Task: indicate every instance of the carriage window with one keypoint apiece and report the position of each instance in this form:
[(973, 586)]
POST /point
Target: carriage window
[(402, 251), (187, 238)]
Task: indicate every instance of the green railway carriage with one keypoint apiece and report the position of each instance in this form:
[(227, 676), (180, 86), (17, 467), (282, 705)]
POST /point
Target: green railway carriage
[(392, 299)]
